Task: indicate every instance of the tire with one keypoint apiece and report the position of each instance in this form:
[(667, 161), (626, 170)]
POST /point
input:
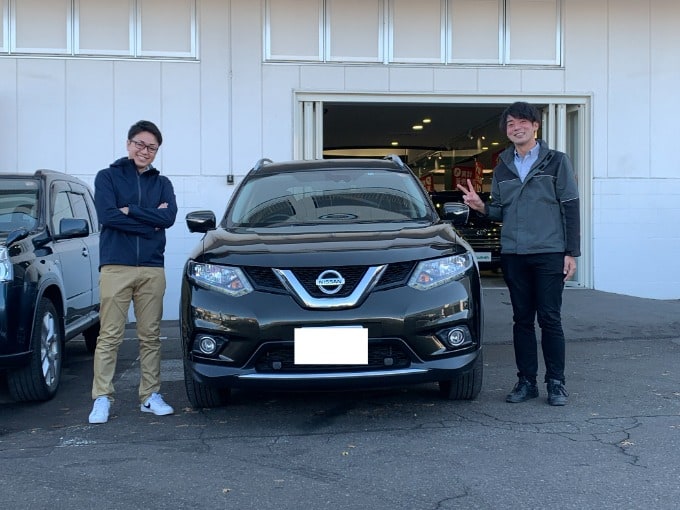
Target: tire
[(201, 395), (465, 386), (39, 380), (90, 335)]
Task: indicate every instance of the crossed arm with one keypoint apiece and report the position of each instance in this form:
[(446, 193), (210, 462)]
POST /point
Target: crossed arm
[(132, 218)]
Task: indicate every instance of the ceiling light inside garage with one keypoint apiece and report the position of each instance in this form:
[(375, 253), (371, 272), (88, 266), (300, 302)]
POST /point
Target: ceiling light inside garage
[(418, 127)]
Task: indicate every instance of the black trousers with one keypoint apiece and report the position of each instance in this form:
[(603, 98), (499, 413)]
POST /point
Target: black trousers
[(536, 283)]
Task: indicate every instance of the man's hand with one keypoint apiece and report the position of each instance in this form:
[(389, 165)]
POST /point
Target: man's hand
[(125, 210), (569, 267), (471, 198), (164, 205)]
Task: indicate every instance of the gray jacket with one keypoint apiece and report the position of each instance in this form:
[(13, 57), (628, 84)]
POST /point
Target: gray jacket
[(541, 214)]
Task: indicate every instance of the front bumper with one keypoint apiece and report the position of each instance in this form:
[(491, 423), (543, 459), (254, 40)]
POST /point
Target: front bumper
[(257, 332), (424, 372), (16, 309)]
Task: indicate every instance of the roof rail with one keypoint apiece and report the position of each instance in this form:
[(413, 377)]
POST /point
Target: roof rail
[(396, 159), (261, 163)]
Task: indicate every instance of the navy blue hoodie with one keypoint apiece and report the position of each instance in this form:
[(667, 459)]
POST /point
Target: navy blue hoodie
[(138, 238)]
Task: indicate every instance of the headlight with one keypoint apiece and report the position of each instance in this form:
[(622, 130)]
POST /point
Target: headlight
[(226, 279), (6, 272), (433, 273)]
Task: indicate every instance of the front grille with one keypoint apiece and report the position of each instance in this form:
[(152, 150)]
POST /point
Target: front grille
[(307, 278), (484, 245), (482, 240), (263, 278), (382, 355), (396, 274)]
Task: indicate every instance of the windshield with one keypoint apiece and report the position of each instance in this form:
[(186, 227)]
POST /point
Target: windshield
[(329, 197), (18, 204)]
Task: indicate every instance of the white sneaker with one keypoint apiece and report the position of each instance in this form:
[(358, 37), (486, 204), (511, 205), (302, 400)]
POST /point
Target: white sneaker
[(156, 405), (100, 410)]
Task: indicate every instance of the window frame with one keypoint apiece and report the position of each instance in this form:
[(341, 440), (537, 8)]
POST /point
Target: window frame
[(78, 50), (72, 48), (443, 31), (65, 50), (386, 33), (4, 26), (507, 38)]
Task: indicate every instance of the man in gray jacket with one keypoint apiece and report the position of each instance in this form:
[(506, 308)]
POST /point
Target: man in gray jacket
[(534, 193)]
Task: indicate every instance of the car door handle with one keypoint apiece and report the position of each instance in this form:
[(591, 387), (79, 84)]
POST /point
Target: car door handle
[(85, 252)]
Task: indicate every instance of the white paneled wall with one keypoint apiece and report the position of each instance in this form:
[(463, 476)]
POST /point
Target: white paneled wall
[(629, 89), (180, 101), (664, 69), (9, 141), (635, 244), (221, 112), (41, 103), (91, 142)]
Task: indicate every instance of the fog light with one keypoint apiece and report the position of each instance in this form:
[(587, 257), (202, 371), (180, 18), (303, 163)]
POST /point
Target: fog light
[(455, 337), (207, 344)]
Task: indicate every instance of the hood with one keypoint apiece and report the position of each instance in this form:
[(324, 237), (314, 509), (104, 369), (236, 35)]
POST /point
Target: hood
[(293, 248)]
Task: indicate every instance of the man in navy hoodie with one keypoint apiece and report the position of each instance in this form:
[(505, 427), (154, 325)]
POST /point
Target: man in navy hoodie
[(135, 204)]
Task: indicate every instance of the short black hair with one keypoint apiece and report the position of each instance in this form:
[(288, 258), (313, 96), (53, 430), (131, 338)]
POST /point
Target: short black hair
[(148, 126), (519, 110)]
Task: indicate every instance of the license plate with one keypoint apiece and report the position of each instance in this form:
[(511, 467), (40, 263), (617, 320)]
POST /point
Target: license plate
[(483, 256), (331, 346)]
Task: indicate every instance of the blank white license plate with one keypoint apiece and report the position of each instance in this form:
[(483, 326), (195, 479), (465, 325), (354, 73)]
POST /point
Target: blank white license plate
[(483, 256), (331, 346)]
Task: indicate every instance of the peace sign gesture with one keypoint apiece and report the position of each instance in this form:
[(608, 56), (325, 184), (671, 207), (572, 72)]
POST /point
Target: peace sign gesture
[(470, 197)]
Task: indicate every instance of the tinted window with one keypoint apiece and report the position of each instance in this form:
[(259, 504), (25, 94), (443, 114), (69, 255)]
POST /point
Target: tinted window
[(79, 208), (18, 204), (61, 209), (329, 197)]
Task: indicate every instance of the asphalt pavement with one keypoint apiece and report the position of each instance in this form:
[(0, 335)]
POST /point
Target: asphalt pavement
[(614, 446)]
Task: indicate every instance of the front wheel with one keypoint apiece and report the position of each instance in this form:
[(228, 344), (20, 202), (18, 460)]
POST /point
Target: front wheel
[(201, 395), (465, 386), (39, 380)]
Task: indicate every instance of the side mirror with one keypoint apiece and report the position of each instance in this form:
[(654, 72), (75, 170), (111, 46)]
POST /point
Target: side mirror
[(455, 212), (201, 221), (72, 227)]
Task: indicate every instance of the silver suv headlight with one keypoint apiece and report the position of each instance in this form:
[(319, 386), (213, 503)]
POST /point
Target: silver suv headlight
[(226, 279), (433, 273), (6, 272)]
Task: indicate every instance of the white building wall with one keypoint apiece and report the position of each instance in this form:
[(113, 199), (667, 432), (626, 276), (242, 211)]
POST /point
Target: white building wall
[(626, 54), (226, 110)]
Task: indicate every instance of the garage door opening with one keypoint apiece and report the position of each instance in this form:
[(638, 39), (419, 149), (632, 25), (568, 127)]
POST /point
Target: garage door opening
[(437, 136)]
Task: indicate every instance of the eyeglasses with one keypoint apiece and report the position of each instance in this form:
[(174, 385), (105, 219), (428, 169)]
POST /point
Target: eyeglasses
[(141, 146)]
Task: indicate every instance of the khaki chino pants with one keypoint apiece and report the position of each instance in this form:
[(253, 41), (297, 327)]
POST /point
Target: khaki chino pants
[(118, 286)]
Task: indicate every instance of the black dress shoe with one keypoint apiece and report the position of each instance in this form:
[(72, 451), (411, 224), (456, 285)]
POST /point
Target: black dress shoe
[(557, 394), (523, 391)]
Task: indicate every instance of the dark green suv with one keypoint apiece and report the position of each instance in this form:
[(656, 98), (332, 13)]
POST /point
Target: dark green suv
[(49, 283), (330, 274)]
